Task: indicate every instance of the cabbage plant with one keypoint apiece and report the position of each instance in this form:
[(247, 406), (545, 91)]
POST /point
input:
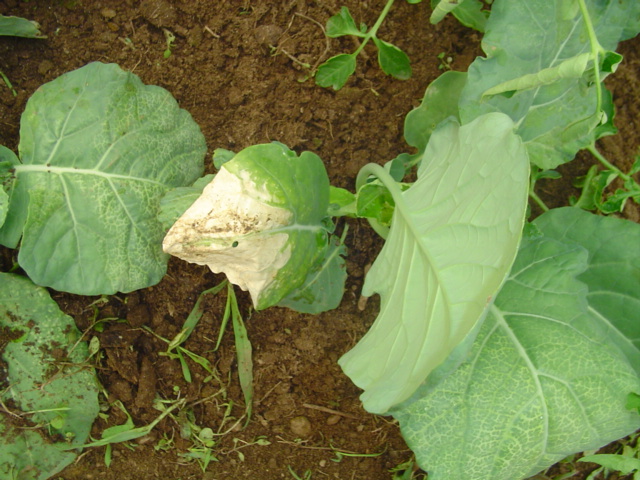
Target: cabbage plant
[(98, 150), (501, 345)]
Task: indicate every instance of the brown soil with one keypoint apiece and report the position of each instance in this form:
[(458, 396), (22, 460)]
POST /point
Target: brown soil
[(236, 67)]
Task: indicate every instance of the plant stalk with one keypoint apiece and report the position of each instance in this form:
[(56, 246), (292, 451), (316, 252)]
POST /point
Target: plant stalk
[(390, 184), (594, 151), (372, 33), (596, 49)]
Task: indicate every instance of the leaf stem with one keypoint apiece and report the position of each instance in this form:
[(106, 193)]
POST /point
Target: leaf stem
[(596, 48), (532, 193), (389, 183), (592, 148), (372, 33), (534, 196)]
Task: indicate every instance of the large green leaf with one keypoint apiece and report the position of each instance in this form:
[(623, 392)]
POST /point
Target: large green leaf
[(541, 381), (47, 376), (98, 149), (453, 237), (551, 94), (440, 102), (612, 273), (261, 221)]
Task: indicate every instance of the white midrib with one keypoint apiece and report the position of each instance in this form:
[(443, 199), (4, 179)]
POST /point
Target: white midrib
[(82, 171)]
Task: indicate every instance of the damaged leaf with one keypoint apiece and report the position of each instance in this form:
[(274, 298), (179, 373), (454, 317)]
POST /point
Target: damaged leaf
[(261, 221)]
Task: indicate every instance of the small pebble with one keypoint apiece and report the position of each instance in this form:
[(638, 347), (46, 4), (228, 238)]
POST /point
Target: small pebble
[(44, 67), (300, 426), (108, 13), (333, 419)]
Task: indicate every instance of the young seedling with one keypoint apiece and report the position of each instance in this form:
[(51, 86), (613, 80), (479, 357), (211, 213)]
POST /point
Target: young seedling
[(595, 183), (305, 476), (336, 71), (170, 39)]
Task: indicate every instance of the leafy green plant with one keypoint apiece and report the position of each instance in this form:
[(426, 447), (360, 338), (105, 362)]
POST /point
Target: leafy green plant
[(47, 380), (336, 71), (501, 346), (98, 150)]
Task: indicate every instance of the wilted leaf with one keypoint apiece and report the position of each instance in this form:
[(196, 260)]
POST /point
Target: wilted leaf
[(453, 237), (261, 221)]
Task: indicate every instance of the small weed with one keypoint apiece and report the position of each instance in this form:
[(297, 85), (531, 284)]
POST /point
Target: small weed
[(445, 61), (336, 71), (305, 476), (407, 471), (170, 39), (8, 83)]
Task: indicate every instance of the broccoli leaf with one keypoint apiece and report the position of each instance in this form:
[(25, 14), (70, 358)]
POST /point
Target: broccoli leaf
[(611, 273), (8, 160), (47, 375), (541, 380), (98, 150), (261, 221), (454, 234), (548, 90), (440, 102), (323, 288)]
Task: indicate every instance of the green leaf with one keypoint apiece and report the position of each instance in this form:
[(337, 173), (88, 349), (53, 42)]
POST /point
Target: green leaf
[(98, 150), (323, 288), (178, 200), (442, 7), (453, 237), (46, 376), (440, 102), (611, 273), (375, 201), (341, 202), (26, 454), (633, 402), (538, 384), (8, 160), (557, 119), (261, 221), (342, 24), (20, 27), (336, 71), (593, 185), (222, 156), (470, 13), (620, 463), (392, 60)]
